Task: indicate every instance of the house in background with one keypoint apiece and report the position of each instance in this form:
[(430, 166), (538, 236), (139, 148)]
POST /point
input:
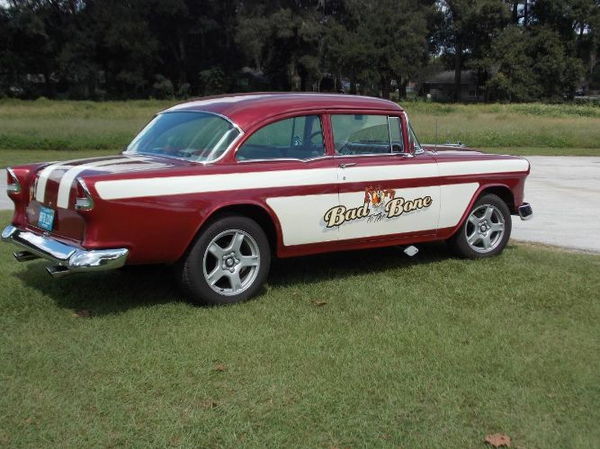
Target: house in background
[(441, 86)]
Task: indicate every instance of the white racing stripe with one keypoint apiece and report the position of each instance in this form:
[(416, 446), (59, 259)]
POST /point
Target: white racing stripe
[(64, 189), (482, 167), (42, 179), (179, 185)]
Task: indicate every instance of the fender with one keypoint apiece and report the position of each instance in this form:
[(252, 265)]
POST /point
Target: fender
[(220, 207), (448, 232)]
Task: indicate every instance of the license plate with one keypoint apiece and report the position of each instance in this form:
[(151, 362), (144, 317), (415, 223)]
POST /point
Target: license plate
[(46, 220)]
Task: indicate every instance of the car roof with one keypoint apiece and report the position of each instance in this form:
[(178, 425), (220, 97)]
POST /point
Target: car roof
[(246, 109)]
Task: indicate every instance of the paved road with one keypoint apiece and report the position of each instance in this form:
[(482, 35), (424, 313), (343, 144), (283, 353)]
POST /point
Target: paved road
[(564, 193), (5, 202)]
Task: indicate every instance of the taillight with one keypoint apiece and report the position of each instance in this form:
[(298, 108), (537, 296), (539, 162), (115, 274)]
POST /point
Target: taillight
[(83, 198), (12, 183)]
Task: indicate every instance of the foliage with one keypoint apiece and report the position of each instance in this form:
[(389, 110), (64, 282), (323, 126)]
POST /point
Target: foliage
[(532, 64), (110, 49)]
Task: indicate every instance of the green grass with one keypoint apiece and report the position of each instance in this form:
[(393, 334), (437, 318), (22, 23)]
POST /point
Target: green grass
[(564, 128), (429, 352), (17, 157), (518, 128)]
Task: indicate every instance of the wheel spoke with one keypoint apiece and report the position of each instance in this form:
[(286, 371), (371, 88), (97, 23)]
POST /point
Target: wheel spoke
[(215, 250), (236, 242), (489, 211), (473, 238), (497, 227), (236, 282), (215, 275), (473, 220), (486, 241), (249, 261)]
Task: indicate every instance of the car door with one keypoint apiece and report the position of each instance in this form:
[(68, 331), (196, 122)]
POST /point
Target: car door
[(298, 179), (385, 187)]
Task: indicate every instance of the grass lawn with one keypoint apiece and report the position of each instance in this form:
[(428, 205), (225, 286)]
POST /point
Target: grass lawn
[(80, 127), (16, 157), (352, 350)]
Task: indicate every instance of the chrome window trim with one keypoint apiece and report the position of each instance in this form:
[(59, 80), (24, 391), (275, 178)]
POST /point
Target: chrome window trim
[(286, 159), (289, 159), (241, 133), (391, 152), (418, 147)]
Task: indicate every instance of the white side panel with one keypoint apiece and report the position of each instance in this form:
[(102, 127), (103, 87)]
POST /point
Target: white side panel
[(178, 185), (483, 166), (455, 199), (389, 172), (378, 223), (301, 218)]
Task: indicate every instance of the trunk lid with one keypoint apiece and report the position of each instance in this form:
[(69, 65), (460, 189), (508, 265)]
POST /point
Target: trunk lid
[(52, 190)]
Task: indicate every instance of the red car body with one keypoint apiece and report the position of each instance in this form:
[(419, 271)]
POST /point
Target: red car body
[(153, 207)]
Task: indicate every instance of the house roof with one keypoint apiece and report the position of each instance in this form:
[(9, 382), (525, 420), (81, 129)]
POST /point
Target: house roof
[(246, 109)]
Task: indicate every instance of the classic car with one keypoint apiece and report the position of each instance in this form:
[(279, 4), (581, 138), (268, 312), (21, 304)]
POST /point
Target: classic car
[(218, 186)]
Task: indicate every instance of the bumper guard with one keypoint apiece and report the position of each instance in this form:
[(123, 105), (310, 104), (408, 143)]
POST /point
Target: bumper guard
[(67, 259), (525, 211)]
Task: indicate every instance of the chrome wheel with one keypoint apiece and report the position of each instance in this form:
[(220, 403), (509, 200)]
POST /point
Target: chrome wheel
[(231, 262), (485, 228)]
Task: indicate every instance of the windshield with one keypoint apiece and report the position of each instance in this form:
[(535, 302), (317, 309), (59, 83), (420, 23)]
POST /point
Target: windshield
[(195, 136)]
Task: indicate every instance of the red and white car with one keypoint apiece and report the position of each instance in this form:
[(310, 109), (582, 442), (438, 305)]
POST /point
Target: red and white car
[(219, 185)]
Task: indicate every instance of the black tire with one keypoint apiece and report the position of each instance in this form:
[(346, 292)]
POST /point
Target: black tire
[(234, 280), (480, 229)]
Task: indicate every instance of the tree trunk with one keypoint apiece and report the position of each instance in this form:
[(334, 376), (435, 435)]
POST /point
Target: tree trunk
[(385, 88), (526, 13), (515, 12), (402, 87), (458, 61)]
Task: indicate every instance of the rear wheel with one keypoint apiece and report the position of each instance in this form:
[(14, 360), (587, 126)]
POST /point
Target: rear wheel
[(486, 230), (228, 263)]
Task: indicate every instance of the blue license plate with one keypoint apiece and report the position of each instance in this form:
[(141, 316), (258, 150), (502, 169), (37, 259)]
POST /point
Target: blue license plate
[(46, 220)]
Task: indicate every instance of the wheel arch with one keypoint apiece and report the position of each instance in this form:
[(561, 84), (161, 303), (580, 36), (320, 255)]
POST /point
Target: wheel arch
[(264, 216), (503, 192), (500, 190)]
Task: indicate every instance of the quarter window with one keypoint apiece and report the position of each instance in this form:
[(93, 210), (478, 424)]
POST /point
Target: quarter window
[(366, 134), (293, 138)]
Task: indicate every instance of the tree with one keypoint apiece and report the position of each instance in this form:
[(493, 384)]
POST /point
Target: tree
[(532, 65), (468, 30), (380, 41)]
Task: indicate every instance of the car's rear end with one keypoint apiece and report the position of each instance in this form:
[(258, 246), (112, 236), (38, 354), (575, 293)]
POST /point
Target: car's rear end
[(49, 220)]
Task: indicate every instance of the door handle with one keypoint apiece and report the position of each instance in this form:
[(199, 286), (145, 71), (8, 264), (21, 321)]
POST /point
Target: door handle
[(347, 164)]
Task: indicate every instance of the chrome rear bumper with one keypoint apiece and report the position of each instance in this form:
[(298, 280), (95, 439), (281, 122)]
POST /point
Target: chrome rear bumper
[(68, 259)]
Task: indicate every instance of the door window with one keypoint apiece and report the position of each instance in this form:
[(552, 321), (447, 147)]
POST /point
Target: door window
[(358, 134), (292, 138)]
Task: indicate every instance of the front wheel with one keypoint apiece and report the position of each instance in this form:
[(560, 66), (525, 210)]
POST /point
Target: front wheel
[(486, 230), (228, 263)]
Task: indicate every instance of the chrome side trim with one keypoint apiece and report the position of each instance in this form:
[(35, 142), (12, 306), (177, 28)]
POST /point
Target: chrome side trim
[(69, 259)]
